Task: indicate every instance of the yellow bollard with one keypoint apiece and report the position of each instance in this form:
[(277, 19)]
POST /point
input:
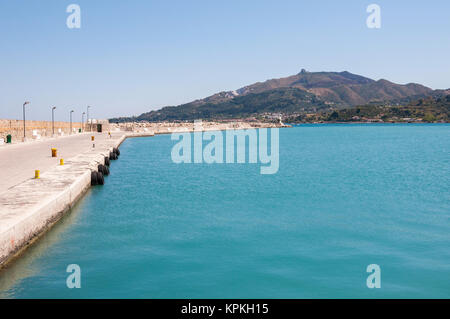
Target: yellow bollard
[(37, 174), (61, 161), (54, 152), (92, 137)]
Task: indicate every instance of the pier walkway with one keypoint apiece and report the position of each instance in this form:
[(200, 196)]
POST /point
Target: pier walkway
[(28, 206), (19, 161)]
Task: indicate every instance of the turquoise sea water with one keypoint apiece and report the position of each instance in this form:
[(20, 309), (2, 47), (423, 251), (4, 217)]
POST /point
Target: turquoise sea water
[(345, 196)]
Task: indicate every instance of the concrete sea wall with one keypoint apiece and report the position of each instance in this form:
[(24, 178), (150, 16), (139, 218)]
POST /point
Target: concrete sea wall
[(40, 128), (30, 208)]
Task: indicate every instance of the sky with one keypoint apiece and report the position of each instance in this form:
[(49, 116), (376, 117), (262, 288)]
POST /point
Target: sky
[(131, 57)]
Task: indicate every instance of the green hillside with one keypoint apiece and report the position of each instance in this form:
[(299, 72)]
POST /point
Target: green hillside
[(423, 110), (285, 100)]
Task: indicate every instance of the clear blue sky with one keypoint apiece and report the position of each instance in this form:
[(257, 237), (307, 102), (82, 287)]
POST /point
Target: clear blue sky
[(134, 56)]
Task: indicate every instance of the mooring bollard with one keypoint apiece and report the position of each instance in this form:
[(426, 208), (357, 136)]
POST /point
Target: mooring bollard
[(61, 161), (54, 152), (37, 174)]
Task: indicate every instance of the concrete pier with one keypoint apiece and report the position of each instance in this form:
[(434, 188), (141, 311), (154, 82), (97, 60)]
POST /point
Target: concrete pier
[(18, 161), (28, 206)]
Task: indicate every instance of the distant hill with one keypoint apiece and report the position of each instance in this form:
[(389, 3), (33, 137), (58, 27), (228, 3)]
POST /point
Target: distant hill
[(285, 100), (303, 92), (341, 89)]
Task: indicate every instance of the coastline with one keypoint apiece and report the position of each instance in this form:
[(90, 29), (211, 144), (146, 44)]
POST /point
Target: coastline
[(363, 122)]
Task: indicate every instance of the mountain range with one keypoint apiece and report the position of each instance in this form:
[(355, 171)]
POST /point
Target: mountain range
[(301, 93)]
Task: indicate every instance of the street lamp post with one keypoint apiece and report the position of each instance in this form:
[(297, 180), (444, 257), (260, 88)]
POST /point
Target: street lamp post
[(82, 120), (71, 121), (87, 118), (53, 120), (24, 134)]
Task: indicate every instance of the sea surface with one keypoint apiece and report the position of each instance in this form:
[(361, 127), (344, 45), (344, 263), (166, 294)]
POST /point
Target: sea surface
[(345, 197)]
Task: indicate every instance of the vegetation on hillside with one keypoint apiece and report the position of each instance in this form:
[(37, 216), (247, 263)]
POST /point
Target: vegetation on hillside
[(423, 110), (285, 100)]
